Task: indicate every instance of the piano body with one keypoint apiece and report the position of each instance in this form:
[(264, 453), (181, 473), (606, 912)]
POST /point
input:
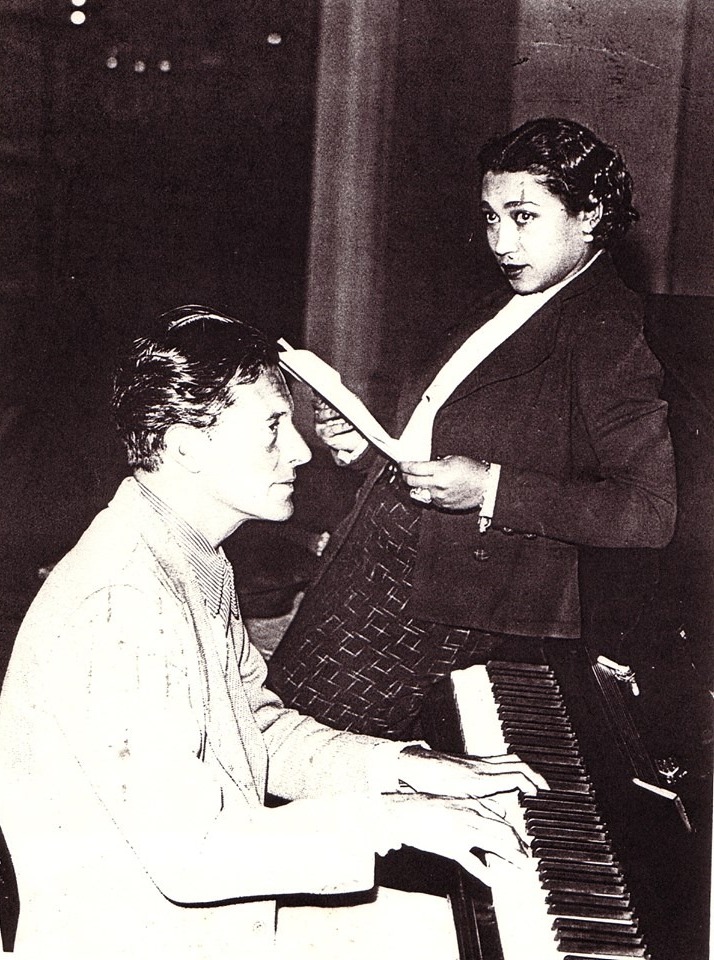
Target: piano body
[(619, 865)]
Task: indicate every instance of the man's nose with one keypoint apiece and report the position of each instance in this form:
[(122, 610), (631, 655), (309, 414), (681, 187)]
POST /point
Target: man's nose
[(298, 452)]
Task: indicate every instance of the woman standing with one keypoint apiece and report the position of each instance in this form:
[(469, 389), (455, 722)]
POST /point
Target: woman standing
[(541, 430)]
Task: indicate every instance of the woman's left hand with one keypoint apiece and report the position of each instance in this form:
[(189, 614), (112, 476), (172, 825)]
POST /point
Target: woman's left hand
[(452, 483)]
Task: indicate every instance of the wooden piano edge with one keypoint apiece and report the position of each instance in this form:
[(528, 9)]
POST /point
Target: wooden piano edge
[(471, 902)]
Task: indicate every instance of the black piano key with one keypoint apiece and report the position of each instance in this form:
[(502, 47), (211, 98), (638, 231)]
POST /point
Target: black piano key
[(538, 753), (552, 800), (543, 737), (536, 826), (600, 888), (555, 766), (559, 747), (527, 694), (610, 932), (518, 709), (595, 956), (558, 770), (499, 668), (590, 855), (562, 816), (534, 724), (567, 818), (595, 948), (528, 680), (529, 704), (517, 727), (576, 882), (562, 899), (567, 868), (539, 736), (541, 716), (601, 931), (522, 694), (603, 937), (566, 854), (575, 786), (584, 897), (550, 868), (536, 829), (514, 688), (502, 676), (560, 767), (560, 833), (499, 676), (604, 910), (535, 740)]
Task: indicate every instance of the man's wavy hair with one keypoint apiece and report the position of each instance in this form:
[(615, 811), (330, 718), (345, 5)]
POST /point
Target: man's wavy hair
[(185, 372), (574, 165)]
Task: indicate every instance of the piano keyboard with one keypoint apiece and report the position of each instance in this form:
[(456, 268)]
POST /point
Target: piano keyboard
[(569, 901)]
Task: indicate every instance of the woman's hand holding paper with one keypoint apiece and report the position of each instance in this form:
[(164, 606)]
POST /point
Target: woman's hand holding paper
[(452, 483)]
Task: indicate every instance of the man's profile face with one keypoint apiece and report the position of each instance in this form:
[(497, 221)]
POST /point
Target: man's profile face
[(251, 452)]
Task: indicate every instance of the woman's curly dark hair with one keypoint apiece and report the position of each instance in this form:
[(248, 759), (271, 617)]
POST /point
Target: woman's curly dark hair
[(574, 164), (184, 373)]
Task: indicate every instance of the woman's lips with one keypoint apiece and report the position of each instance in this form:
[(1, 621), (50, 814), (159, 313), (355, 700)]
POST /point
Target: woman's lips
[(513, 270)]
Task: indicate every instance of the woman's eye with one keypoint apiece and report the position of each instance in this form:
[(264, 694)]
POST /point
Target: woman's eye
[(523, 216), (490, 217)]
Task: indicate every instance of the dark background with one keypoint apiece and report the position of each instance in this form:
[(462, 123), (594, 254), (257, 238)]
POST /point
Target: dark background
[(164, 153)]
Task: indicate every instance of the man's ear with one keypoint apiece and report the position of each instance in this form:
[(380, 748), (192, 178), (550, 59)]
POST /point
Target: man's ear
[(185, 445)]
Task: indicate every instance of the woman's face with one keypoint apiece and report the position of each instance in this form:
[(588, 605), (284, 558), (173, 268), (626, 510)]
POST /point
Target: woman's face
[(535, 239)]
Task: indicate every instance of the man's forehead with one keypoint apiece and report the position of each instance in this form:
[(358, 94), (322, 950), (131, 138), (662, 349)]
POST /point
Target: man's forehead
[(269, 394)]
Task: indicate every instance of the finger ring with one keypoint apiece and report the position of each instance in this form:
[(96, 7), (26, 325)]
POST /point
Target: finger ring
[(422, 494)]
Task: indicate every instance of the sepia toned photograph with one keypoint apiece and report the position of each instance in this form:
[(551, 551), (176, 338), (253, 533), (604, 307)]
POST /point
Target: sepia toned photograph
[(356, 479)]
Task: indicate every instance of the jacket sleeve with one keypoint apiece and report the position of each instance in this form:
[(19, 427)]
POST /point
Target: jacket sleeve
[(308, 759), (627, 495), (131, 720)]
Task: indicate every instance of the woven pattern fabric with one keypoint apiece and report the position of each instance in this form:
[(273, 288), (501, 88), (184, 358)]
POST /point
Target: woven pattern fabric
[(352, 657)]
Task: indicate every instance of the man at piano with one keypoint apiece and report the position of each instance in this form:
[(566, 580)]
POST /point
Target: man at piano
[(156, 797)]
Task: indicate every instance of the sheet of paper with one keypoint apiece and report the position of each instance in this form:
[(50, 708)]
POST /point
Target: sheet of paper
[(325, 380)]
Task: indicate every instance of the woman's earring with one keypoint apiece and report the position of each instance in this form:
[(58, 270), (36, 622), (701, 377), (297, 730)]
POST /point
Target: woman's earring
[(587, 236)]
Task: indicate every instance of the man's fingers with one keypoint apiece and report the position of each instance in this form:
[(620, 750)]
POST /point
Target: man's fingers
[(509, 763), (505, 781), (520, 778), (534, 779), (473, 864), (496, 835), (493, 831)]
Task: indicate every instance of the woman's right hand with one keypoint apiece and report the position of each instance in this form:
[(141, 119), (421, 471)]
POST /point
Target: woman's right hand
[(344, 441)]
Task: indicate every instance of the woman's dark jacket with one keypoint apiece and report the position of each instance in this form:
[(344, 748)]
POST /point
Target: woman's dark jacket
[(569, 406)]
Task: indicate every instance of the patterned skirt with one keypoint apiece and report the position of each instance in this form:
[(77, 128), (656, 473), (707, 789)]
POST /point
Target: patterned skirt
[(352, 657)]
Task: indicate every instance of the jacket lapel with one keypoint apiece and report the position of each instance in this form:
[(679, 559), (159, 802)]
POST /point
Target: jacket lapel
[(453, 339), (535, 341), (524, 350)]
